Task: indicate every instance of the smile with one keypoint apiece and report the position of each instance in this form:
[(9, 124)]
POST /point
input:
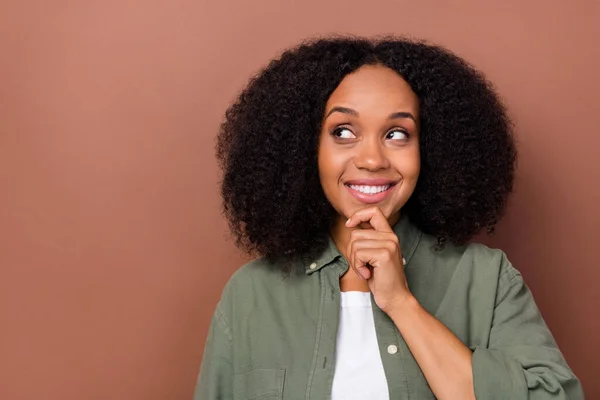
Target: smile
[(370, 189), (369, 194)]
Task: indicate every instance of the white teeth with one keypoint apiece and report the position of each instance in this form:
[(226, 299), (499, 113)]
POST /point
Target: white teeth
[(370, 189)]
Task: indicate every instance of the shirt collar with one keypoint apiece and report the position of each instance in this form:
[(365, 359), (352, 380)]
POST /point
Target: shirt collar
[(408, 235)]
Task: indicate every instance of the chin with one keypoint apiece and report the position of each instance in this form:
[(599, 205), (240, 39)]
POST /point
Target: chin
[(387, 210)]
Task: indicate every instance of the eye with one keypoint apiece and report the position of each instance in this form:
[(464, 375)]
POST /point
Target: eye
[(343, 133), (397, 134)]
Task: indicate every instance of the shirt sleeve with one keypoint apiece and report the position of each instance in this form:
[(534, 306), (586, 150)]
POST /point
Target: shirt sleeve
[(522, 360), (216, 371)]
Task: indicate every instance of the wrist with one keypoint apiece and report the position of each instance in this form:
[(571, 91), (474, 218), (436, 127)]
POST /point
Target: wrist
[(401, 303), (403, 308)]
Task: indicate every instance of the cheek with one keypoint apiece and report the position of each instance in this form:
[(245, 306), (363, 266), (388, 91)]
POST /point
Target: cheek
[(415, 168), (410, 166), (331, 164)]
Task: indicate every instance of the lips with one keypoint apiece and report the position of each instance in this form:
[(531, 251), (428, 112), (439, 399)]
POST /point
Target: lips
[(370, 191)]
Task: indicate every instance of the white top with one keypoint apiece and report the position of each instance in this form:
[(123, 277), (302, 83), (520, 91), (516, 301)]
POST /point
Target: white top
[(359, 371)]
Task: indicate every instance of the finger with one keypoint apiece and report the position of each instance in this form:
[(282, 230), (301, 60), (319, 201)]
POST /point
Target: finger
[(373, 216), (359, 264), (371, 258), (388, 245), (354, 262), (370, 234), (366, 260)]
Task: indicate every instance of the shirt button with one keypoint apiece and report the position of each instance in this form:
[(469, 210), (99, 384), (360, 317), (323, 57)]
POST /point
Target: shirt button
[(313, 265), (392, 349)]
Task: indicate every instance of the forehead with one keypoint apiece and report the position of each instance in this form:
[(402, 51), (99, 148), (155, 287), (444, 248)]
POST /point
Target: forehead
[(374, 87)]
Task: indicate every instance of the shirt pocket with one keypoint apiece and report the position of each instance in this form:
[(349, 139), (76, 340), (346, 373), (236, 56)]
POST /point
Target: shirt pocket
[(263, 384)]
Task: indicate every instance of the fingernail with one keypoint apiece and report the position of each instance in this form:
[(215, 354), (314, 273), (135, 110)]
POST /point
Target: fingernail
[(348, 221)]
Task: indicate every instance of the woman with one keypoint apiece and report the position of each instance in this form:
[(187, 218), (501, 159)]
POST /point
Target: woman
[(358, 170)]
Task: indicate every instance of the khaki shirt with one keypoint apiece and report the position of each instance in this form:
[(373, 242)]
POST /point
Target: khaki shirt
[(274, 336)]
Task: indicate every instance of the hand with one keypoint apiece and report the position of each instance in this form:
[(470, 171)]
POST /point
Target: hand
[(375, 255)]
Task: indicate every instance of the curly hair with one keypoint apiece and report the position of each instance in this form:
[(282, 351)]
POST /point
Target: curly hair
[(267, 145)]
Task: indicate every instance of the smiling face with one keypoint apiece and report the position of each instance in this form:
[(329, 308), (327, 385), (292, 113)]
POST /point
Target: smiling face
[(369, 143)]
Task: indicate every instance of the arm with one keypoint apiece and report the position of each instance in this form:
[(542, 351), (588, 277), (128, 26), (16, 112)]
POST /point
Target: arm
[(375, 256), (445, 361), (216, 372), (522, 360)]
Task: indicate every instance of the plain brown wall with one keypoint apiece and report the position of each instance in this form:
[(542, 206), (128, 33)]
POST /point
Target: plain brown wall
[(113, 251)]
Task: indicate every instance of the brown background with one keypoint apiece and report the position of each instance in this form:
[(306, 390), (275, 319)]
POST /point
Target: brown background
[(112, 249)]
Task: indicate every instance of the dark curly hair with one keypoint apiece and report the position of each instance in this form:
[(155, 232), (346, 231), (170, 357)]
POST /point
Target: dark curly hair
[(267, 145)]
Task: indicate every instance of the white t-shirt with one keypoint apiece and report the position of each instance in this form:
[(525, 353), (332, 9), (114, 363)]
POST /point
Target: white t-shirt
[(359, 371)]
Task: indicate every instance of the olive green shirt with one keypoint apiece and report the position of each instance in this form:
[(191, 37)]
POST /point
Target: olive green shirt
[(274, 337)]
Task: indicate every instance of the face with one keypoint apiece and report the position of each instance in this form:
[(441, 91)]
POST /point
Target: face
[(369, 143)]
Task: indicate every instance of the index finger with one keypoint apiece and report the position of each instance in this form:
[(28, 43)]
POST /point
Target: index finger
[(373, 216)]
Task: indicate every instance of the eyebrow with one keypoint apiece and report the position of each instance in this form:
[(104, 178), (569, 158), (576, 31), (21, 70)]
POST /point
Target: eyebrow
[(349, 111)]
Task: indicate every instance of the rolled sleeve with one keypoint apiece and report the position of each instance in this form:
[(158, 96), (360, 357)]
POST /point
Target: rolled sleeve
[(522, 360)]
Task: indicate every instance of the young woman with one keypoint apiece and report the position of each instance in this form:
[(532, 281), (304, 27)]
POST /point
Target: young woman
[(358, 170)]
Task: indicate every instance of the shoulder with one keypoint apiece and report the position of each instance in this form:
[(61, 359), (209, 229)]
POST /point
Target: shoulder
[(252, 284), (470, 262), (495, 260), (459, 283), (256, 273)]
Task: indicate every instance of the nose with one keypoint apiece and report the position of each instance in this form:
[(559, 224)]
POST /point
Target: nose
[(371, 155)]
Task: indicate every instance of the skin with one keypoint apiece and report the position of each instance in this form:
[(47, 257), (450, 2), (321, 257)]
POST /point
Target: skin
[(358, 141)]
